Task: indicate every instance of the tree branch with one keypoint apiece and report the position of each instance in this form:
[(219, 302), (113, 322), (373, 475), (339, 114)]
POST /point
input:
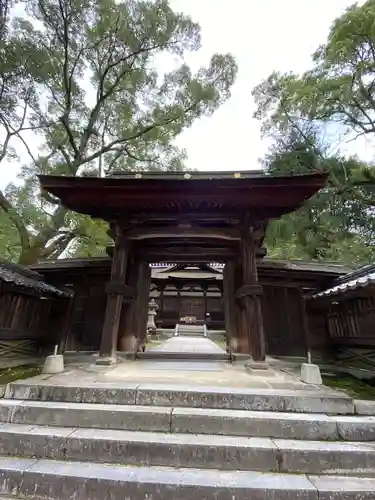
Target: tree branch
[(16, 220)]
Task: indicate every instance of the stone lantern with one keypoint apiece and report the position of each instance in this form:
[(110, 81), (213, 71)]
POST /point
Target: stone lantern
[(152, 312)]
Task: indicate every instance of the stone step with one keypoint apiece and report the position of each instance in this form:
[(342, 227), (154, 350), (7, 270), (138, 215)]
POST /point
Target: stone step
[(91, 481), (181, 450), (189, 420), (187, 356), (147, 394)]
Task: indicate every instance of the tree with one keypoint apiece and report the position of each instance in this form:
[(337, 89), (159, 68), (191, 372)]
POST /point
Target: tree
[(340, 86), (337, 93), (330, 226), (309, 116), (104, 102)]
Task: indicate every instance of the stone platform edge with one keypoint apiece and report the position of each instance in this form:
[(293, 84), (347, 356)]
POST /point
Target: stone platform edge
[(140, 393), (89, 481)]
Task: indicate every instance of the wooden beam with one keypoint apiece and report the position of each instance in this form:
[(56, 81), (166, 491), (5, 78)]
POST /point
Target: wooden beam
[(185, 259), (143, 233)]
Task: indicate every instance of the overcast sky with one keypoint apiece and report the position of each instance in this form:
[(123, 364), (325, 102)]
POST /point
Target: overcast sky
[(263, 36)]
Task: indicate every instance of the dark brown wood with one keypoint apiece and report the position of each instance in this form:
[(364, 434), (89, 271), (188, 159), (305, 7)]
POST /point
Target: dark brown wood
[(108, 344), (246, 290), (305, 320), (270, 197), (230, 304), (251, 302), (128, 321), (145, 233), (115, 288), (142, 301)]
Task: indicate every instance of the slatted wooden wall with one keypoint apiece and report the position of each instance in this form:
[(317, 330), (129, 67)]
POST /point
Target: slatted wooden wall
[(282, 320), (28, 324)]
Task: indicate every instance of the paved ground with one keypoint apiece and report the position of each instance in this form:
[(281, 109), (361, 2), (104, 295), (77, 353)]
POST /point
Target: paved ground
[(188, 344), (177, 372)]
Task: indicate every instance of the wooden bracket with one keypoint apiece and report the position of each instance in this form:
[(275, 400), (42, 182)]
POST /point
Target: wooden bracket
[(246, 290), (116, 288)]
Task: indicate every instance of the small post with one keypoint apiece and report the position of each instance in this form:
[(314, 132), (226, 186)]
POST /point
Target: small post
[(309, 357), (310, 373), (54, 363)]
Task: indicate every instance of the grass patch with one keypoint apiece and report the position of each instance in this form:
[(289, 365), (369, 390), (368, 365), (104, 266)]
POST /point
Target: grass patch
[(153, 343), (221, 343), (354, 387), (11, 374)]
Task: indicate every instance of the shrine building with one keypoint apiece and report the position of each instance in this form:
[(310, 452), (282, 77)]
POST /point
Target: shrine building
[(209, 224)]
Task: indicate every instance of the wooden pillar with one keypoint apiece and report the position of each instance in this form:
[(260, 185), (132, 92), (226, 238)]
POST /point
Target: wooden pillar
[(134, 318), (241, 343), (178, 302), (115, 290), (249, 296), (161, 289), (230, 306), (143, 294), (65, 324), (305, 321), (128, 328)]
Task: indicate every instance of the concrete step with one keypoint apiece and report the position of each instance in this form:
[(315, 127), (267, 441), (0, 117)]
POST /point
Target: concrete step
[(181, 450), (185, 330), (90, 481), (190, 356), (146, 394), (189, 420)]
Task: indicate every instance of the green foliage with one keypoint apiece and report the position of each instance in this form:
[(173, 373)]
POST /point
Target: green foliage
[(333, 225), (307, 115), (339, 89), (99, 100)]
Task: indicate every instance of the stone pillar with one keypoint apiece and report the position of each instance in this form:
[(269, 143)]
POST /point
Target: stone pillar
[(249, 296), (115, 290)]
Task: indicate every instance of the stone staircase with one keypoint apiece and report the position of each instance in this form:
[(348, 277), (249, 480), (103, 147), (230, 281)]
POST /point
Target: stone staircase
[(186, 330), (145, 441)]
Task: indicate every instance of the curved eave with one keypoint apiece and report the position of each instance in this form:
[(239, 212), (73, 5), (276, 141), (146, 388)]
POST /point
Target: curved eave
[(109, 197)]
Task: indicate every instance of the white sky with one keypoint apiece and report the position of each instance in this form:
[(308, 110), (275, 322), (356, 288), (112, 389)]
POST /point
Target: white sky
[(263, 36)]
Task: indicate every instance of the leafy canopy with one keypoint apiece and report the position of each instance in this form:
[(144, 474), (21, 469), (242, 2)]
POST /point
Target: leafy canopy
[(110, 88)]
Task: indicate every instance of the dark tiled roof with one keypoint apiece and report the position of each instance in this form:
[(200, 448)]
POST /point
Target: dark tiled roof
[(24, 278), (362, 278), (267, 263), (208, 174), (311, 266)]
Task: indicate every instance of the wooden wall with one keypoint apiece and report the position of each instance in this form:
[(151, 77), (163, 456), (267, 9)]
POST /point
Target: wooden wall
[(352, 322), (281, 306), (29, 324), (87, 312), (283, 321)]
